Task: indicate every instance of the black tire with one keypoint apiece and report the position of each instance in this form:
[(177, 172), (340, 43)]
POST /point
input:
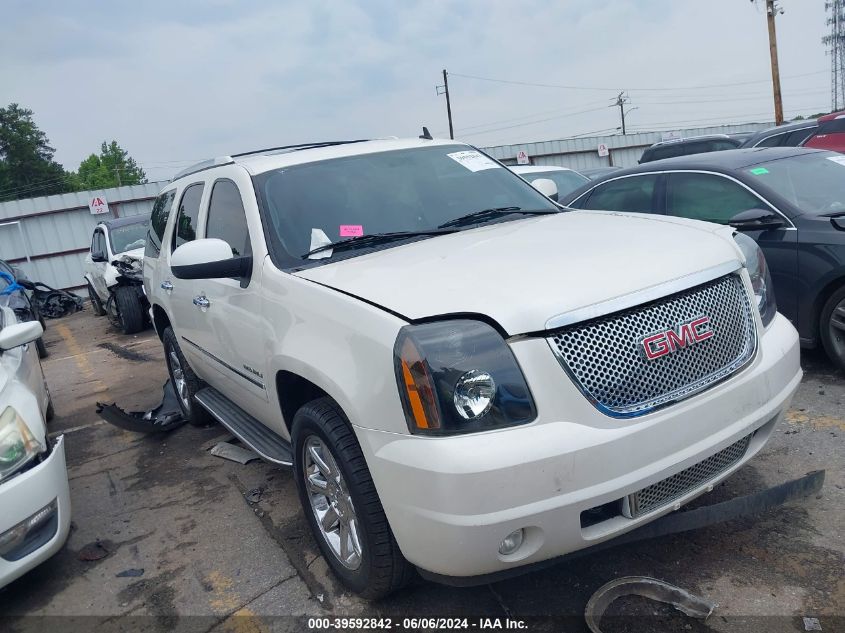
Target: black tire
[(50, 413), (832, 328), (191, 410), (96, 304), (41, 347), (382, 569), (129, 309)]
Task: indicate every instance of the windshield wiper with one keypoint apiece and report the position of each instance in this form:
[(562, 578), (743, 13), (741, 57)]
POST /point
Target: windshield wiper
[(373, 239), (489, 214)]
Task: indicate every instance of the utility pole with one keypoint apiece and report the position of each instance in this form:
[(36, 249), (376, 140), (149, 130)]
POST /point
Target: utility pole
[(117, 173), (836, 43), (772, 10), (621, 100), (445, 88)]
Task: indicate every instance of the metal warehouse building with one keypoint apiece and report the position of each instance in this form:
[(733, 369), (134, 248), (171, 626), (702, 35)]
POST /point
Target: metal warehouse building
[(48, 237), (625, 151)]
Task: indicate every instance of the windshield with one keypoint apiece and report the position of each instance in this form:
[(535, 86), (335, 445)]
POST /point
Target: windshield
[(814, 183), (566, 181), (128, 237), (410, 190)]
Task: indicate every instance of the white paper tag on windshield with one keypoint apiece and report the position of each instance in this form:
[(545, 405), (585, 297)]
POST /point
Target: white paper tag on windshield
[(472, 160), (318, 239), (837, 159)]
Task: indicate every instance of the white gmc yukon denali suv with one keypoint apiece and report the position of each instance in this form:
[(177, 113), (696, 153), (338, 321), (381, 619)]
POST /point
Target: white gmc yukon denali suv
[(465, 377)]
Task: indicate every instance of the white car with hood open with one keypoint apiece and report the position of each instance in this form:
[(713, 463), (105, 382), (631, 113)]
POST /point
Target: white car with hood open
[(465, 377)]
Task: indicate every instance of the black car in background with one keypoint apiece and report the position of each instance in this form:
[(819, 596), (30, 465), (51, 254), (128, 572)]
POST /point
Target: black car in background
[(788, 135), (691, 145), (791, 201)]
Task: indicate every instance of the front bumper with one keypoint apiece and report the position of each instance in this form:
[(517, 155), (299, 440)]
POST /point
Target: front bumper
[(451, 501), (25, 495)]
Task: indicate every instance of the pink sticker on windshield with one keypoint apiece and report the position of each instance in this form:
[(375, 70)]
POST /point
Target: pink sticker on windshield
[(351, 230)]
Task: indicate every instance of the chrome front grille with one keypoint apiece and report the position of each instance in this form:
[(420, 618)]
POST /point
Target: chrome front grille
[(605, 357), (676, 486)]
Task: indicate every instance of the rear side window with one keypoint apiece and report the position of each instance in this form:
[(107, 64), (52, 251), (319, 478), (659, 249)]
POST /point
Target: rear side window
[(665, 151), (719, 145), (227, 218), (772, 141), (832, 127), (158, 220), (635, 193), (189, 211), (799, 136), (708, 197)]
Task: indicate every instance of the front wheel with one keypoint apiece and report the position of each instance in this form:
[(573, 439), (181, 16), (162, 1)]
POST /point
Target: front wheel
[(832, 325), (341, 503), (130, 312)]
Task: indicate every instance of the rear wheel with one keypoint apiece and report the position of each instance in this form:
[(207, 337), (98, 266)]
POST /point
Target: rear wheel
[(185, 382), (129, 309), (41, 347), (832, 326), (341, 503), (96, 304)]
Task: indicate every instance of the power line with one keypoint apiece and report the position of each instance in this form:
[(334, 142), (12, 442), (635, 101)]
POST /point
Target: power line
[(508, 127), (616, 89)]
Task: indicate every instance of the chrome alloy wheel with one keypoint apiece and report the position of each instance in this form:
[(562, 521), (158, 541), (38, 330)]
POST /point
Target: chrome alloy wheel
[(331, 502), (179, 381)]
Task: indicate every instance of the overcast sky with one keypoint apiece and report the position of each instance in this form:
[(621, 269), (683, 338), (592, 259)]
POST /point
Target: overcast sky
[(179, 81)]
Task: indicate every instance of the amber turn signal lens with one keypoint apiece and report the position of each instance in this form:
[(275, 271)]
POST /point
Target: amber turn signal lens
[(418, 388)]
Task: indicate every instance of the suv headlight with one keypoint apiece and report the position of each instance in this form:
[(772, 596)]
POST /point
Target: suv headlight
[(457, 377), (761, 280), (17, 444)]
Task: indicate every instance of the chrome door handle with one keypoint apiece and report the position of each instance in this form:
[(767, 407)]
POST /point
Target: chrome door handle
[(166, 285), (201, 302)]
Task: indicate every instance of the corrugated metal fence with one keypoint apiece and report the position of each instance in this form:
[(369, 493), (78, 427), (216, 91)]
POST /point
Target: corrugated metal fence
[(582, 153), (48, 237)]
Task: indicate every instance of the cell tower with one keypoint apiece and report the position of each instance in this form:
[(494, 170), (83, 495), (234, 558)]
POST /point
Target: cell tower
[(836, 47)]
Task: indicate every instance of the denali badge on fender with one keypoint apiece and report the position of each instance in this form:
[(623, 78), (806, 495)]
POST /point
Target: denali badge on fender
[(686, 334)]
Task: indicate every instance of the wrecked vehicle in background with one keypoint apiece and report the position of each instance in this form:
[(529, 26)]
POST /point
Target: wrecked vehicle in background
[(13, 294), (34, 492), (114, 272)]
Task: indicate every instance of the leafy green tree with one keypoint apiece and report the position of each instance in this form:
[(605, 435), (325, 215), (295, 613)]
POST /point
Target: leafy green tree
[(27, 168), (111, 168)]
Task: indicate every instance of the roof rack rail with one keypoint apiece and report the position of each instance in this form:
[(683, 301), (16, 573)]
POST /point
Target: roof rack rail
[(203, 165), (299, 146), (228, 160)]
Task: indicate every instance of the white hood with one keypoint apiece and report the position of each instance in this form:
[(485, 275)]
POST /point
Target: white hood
[(524, 272)]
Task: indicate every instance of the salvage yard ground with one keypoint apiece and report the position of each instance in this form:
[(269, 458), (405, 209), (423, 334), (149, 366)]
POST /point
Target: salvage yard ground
[(163, 528)]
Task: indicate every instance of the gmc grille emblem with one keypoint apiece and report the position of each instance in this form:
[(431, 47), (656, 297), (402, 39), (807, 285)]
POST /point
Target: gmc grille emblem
[(684, 335)]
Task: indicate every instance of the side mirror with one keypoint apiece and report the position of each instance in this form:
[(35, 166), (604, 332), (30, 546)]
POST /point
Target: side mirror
[(208, 258), (97, 256), (546, 186), (18, 334), (756, 220)]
